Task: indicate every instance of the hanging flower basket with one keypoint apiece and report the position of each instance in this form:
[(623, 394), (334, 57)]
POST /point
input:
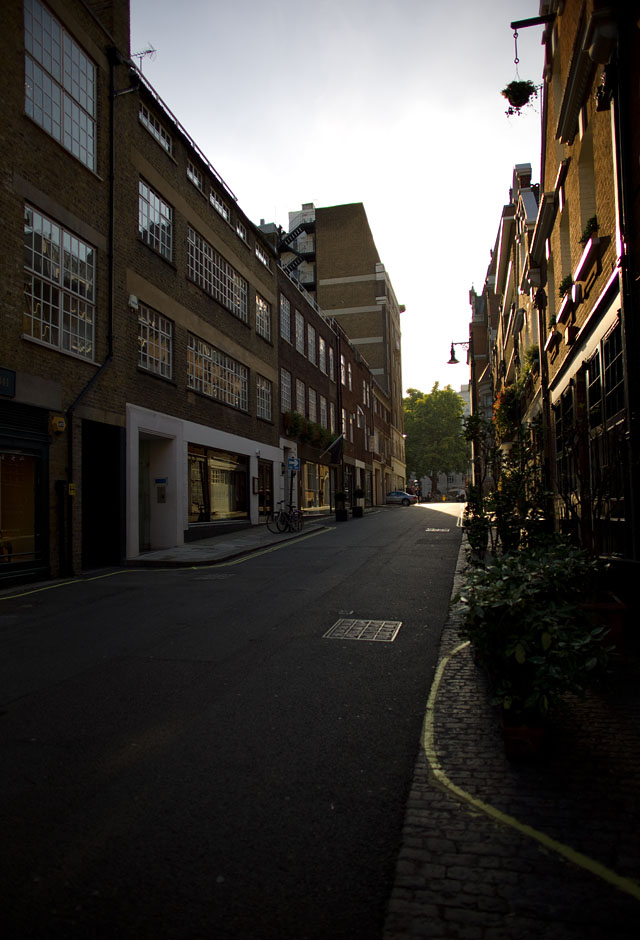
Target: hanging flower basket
[(518, 94)]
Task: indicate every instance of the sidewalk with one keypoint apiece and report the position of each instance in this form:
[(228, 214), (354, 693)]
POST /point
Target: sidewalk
[(225, 547), (546, 850)]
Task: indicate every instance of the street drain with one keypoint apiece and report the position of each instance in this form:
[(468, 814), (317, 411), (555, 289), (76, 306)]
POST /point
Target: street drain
[(376, 631)]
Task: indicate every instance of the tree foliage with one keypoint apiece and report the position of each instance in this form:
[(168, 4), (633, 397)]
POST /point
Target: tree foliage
[(435, 435)]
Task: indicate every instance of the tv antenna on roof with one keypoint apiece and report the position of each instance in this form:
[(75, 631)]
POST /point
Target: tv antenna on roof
[(151, 52)]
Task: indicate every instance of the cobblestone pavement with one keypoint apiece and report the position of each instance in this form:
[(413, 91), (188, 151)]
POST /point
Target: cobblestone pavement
[(470, 866)]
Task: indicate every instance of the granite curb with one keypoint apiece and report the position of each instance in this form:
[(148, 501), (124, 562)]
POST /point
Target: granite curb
[(462, 873)]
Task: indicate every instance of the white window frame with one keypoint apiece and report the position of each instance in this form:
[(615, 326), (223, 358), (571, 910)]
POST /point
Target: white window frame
[(241, 231), (301, 397), (285, 318), (312, 348), (262, 256), (264, 398), (332, 417), (151, 123), (59, 288), (323, 411), (263, 317), (299, 333), (210, 271), (195, 175), (155, 220), (332, 364), (220, 206), (285, 390), (322, 354), (313, 405), (216, 375), (60, 84), (155, 342)]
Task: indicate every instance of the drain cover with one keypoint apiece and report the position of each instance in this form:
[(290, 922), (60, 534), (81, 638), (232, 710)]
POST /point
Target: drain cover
[(376, 631)]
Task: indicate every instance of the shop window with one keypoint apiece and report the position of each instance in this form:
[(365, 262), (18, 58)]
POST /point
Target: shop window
[(218, 487)]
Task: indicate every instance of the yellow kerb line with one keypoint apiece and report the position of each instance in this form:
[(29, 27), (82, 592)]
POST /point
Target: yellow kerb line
[(572, 855), (215, 564)]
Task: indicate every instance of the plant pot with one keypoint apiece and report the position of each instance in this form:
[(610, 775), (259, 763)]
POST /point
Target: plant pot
[(523, 738)]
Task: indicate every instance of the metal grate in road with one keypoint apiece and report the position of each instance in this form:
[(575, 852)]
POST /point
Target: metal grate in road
[(376, 631)]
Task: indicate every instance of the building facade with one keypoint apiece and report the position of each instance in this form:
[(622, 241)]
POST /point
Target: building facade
[(558, 310)]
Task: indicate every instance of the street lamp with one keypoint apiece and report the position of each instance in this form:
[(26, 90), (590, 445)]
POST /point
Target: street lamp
[(453, 361)]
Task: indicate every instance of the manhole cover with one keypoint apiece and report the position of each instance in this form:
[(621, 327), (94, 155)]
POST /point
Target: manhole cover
[(376, 631)]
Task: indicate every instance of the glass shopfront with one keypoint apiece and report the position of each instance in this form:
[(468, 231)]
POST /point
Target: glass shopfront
[(218, 485), (316, 494), (17, 507)]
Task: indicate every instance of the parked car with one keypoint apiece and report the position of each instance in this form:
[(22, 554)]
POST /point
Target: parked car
[(399, 497)]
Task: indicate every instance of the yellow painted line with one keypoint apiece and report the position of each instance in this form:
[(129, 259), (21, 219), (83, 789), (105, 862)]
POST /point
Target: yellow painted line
[(572, 855), (215, 564)]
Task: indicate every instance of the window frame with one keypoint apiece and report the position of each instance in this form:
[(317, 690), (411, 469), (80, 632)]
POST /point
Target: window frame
[(264, 398), (216, 277), (153, 126), (162, 212), (162, 339), (221, 378), (263, 318)]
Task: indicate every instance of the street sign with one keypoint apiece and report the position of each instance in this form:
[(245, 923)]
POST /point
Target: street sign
[(294, 463)]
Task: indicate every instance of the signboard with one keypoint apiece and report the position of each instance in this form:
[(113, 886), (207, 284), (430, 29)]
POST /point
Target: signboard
[(294, 463)]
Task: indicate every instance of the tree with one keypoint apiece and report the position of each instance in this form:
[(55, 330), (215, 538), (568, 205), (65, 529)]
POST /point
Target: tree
[(435, 435)]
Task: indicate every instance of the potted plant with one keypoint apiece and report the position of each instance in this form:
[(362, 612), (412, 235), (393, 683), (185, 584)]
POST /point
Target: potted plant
[(357, 510), (341, 508), (523, 617), (565, 286), (519, 93), (590, 229)]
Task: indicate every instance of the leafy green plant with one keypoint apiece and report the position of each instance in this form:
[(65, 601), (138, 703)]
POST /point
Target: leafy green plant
[(507, 412), (519, 93), (523, 617), (565, 285), (589, 230)]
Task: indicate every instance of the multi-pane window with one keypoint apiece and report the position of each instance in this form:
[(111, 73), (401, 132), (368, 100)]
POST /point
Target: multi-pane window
[(343, 371), (263, 317), (262, 255), (313, 405), (220, 206), (332, 364), (285, 318), (195, 175), (214, 275), (332, 417), (241, 231), (349, 377), (613, 373), (155, 220), (300, 397), (311, 344), (155, 341), (59, 286), (60, 84), (343, 427), (322, 354), (285, 390), (217, 375), (323, 411), (155, 128), (299, 332), (264, 397)]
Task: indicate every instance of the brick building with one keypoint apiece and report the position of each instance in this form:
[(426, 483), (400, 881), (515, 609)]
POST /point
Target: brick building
[(575, 279), (331, 251)]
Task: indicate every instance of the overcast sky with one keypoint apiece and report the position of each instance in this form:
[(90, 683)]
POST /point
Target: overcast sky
[(392, 103)]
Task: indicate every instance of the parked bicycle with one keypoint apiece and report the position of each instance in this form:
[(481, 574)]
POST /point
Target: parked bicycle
[(284, 520)]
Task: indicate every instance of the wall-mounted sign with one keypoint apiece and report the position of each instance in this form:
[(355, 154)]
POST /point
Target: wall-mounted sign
[(7, 383), (294, 463)]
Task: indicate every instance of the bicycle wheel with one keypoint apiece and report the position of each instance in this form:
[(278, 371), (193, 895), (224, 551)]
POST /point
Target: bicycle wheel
[(282, 520), (272, 522), (295, 520)]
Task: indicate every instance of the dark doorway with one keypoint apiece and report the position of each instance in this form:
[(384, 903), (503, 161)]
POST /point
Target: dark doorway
[(103, 494)]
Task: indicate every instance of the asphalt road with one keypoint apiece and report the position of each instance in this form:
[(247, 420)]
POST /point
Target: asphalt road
[(186, 756)]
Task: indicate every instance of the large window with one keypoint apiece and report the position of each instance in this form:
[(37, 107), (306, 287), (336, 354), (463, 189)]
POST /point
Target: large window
[(285, 390), (285, 318), (217, 485), (311, 344), (59, 286), (322, 344), (155, 342), (313, 405), (264, 394), (299, 332), (214, 275), (60, 83), (217, 375), (155, 128), (263, 317), (155, 220), (300, 397)]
